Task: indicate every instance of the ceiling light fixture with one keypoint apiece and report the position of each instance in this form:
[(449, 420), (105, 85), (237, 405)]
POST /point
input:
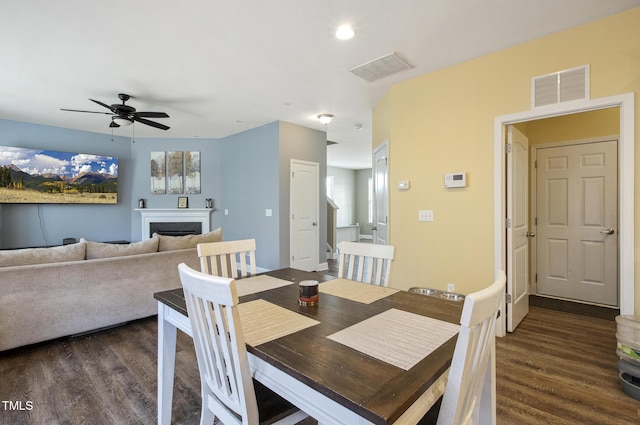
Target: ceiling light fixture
[(121, 121), (345, 32), (325, 118)]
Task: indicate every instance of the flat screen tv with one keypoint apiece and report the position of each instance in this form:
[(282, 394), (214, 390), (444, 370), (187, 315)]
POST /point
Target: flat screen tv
[(38, 176)]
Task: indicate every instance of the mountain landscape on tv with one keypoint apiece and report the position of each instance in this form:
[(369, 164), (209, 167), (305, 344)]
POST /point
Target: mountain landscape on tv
[(38, 176)]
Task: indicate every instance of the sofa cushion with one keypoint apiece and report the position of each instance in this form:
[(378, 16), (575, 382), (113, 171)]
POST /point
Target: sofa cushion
[(108, 250), (55, 254), (170, 243)]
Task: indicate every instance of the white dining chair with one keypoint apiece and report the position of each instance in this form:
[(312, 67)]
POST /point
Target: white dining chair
[(365, 262), (227, 386), (474, 347), (224, 258)]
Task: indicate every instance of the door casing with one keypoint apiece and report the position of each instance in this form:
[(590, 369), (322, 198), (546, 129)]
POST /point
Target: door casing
[(625, 189), (311, 249), (381, 206)]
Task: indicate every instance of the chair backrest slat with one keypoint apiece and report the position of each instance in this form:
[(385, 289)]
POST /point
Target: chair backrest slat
[(220, 348), (365, 262), (224, 258), (476, 341)]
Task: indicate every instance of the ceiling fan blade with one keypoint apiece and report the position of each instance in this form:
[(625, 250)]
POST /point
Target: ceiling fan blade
[(151, 114), (91, 112), (103, 104), (151, 123)]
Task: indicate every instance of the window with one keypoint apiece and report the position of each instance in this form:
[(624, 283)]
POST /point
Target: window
[(330, 180)]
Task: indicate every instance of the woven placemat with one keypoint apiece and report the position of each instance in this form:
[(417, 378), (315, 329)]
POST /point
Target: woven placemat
[(356, 291), (263, 321), (260, 283), (397, 337)]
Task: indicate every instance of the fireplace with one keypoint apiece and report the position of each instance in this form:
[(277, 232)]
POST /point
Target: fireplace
[(175, 228), (175, 221)]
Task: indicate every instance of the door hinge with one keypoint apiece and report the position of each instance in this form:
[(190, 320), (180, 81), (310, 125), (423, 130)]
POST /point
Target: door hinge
[(535, 220), (507, 223), (507, 148), (535, 164), (292, 258), (507, 298), (535, 278)]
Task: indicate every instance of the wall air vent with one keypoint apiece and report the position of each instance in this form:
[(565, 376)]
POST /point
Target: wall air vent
[(381, 67), (558, 87)]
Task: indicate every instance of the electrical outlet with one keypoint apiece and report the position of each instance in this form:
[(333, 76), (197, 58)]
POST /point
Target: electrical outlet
[(451, 287)]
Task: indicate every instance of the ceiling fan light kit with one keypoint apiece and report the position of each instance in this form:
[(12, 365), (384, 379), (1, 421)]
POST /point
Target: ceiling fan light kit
[(124, 115), (121, 121)]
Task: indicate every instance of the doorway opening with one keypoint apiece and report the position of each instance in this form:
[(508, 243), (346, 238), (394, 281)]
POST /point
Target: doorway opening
[(625, 103)]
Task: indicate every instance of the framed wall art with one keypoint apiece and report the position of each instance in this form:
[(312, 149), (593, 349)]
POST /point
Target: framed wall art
[(192, 171), (158, 173), (175, 172)]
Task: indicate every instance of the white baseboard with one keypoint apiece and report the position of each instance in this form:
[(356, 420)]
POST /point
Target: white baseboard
[(262, 270), (323, 266)]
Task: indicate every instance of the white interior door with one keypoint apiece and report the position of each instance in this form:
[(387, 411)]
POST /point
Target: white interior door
[(577, 210), (517, 227), (381, 194), (305, 191)]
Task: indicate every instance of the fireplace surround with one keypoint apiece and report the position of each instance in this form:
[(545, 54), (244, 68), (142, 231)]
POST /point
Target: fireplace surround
[(183, 219)]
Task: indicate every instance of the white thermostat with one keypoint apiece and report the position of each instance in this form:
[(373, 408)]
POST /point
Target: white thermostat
[(455, 180)]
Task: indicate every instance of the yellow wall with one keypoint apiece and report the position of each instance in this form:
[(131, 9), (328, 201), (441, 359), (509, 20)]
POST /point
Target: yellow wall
[(582, 126), (443, 122)]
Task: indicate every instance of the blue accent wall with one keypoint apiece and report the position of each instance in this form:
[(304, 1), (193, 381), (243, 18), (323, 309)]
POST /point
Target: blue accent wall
[(210, 178), (297, 142), (250, 186), (245, 173), (24, 225)]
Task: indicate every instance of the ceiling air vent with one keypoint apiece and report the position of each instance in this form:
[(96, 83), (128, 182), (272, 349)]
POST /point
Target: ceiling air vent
[(558, 87), (381, 67)]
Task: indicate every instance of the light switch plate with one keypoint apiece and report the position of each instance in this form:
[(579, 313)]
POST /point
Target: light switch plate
[(425, 215), (268, 212)]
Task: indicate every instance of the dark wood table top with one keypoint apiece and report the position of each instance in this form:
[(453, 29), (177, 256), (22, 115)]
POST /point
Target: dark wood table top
[(374, 389)]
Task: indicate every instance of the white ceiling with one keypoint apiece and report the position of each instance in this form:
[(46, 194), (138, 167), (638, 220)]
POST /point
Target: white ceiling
[(221, 67)]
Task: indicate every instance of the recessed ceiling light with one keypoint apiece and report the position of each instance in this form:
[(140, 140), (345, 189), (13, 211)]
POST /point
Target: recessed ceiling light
[(345, 32)]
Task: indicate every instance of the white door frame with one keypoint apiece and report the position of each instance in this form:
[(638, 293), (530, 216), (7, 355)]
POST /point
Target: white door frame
[(383, 145), (625, 190), (292, 239)]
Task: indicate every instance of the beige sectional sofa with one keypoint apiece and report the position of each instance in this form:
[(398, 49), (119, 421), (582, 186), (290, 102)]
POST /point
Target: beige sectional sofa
[(46, 293)]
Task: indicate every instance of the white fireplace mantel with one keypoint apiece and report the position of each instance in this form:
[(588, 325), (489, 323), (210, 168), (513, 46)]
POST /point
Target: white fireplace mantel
[(169, 215)]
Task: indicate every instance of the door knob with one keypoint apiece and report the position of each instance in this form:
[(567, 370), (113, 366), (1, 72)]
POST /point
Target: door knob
[(314, 223), (608, 231), (530, 234), (374, 228)]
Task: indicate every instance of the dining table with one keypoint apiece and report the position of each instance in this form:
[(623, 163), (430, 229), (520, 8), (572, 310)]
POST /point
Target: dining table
[(364, 354)]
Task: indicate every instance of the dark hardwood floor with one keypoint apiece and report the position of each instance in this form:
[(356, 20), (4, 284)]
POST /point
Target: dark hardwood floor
[(557, 368)]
